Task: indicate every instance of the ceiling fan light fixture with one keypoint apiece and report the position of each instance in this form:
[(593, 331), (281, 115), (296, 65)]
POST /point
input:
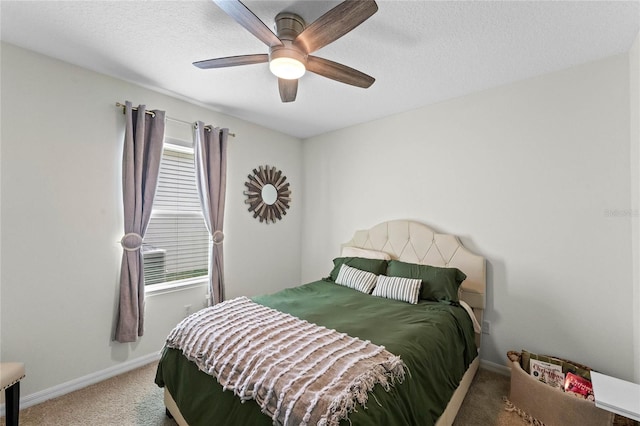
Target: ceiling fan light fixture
[(287, 68), (287, 62)]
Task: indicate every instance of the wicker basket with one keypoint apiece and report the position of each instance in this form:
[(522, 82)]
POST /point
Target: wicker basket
[(542, 404)]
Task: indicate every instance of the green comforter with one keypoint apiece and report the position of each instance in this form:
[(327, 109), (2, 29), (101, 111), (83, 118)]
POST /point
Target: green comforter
[(435, 340)]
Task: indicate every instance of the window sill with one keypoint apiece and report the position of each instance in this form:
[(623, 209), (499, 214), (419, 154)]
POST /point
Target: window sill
[(173, 286)]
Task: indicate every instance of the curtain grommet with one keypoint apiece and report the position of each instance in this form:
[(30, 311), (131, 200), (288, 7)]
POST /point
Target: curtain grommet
[(131, 241), (217, 237)]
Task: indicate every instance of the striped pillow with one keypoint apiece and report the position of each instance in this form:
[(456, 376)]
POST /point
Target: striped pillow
[(398, 288), (355, 278)]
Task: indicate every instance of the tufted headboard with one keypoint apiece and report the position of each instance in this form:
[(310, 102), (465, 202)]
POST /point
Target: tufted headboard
[(414, 242)]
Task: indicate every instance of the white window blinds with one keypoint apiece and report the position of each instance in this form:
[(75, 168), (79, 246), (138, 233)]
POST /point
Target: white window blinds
[(176, 244)]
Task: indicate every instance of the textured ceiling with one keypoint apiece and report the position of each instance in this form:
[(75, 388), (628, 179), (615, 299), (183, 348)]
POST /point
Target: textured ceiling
[(420, 52)]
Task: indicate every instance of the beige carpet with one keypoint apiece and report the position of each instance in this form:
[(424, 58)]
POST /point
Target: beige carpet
[(129, 399), (133, 399)]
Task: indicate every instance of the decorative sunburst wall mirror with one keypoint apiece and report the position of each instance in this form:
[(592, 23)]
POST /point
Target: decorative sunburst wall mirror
[(268, 194)]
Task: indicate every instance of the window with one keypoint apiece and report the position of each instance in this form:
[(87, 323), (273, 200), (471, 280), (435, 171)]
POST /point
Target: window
[(176, 244)]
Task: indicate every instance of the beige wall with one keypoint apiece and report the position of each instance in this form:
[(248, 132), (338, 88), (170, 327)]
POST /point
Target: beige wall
[(533, 175), (61, 216), (634, 114)]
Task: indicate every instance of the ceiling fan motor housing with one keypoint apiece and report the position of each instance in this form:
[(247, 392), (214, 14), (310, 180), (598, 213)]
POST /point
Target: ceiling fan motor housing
[(289, 25)]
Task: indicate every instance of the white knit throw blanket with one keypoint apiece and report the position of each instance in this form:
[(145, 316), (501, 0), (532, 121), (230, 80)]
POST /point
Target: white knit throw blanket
[(299, 373)]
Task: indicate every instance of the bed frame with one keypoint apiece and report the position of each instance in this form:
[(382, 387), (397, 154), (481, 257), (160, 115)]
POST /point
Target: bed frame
[(414, 242)]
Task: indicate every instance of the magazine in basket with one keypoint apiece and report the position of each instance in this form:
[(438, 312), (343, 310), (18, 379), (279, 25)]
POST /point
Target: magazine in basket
[(547, 372)]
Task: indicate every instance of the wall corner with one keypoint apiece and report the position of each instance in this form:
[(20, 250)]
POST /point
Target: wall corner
[(634, 141)]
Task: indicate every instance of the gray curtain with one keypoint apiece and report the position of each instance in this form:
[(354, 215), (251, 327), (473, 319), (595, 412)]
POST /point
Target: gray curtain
[(211, 178), (143, 139)]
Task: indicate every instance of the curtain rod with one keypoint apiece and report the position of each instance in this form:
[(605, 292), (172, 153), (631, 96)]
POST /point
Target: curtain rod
[(166, 117)]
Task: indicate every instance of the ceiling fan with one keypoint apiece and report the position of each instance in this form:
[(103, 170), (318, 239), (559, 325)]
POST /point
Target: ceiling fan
[(290, 50)]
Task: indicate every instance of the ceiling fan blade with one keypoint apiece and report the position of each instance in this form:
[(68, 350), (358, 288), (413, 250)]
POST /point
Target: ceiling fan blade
[(247, 19), (338, 72), (232, 61), (288, 89), (335, 23)]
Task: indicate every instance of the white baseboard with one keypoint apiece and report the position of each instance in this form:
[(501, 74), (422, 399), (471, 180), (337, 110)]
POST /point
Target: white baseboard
[(496, 368), (84, 381)]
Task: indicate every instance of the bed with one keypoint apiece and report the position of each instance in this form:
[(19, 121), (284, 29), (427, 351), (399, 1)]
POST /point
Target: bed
[(438, 372)]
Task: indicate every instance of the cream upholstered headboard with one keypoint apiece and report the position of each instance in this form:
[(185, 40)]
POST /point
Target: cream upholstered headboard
[(414, 242)]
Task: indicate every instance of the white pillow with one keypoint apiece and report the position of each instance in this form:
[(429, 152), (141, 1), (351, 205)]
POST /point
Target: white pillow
[(365, 253), (398, 288), (356, 279)]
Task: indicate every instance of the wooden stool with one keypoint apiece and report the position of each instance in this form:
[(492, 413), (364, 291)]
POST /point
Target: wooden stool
[(10, 375)]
